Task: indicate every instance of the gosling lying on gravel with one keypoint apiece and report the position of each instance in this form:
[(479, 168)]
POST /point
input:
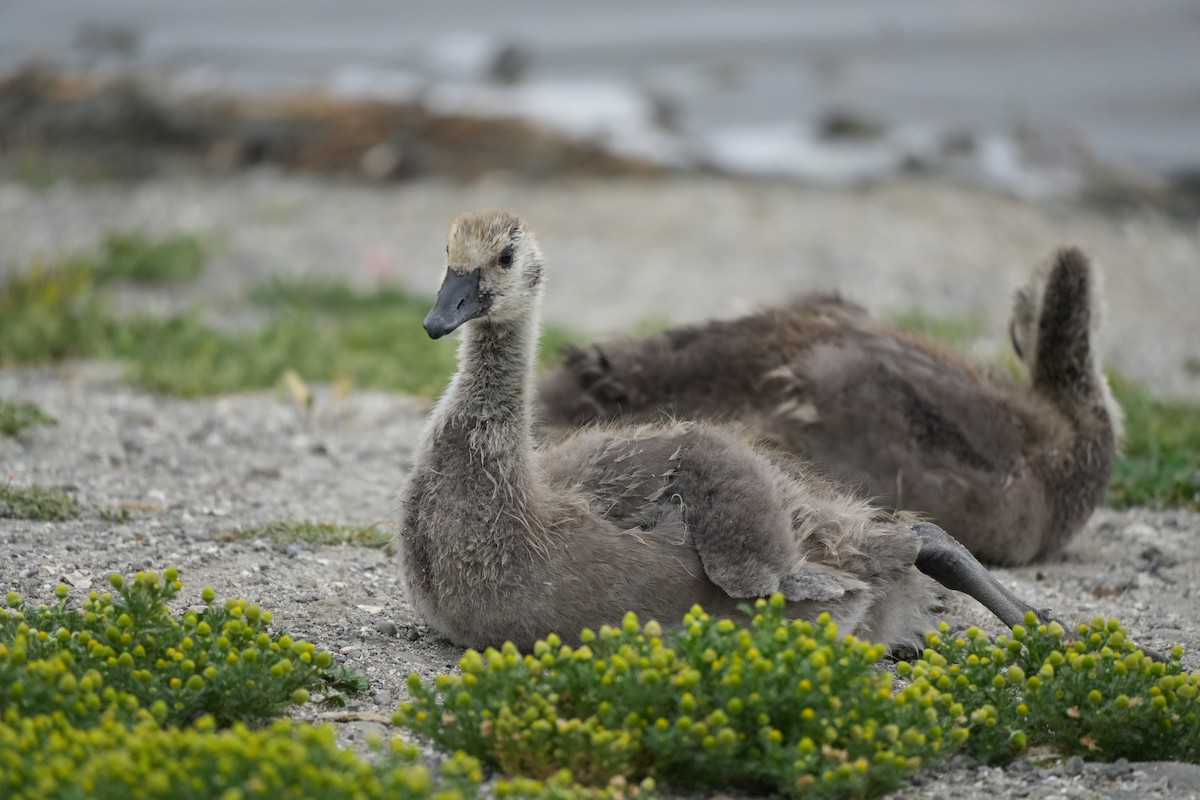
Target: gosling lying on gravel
[(504, 540), (1012, 471)]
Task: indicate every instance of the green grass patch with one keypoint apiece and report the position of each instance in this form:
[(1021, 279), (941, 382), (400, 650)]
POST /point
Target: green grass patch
[(1159, 463), (953, 330), (51, 312), (36, 503), (323, 331), (335, 298), (793, 707), (16, 417), (383, 330), (318, 533), (135, 258), (117, 516), (183, 356), (33, 169)]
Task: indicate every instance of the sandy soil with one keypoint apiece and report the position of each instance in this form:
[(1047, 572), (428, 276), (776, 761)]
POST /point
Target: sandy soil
[(197, 471)]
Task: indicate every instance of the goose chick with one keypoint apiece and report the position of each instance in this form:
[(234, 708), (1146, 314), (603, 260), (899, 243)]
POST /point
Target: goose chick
[(504, 540), (1013, 471)]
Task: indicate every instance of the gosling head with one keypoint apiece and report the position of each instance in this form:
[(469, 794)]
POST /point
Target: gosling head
[(493, 272)]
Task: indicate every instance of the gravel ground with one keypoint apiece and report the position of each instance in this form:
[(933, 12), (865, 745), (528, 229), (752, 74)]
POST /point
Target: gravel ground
[(194, 472)]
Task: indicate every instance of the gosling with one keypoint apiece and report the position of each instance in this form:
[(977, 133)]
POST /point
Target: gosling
[(505, 540), (1013, 471)]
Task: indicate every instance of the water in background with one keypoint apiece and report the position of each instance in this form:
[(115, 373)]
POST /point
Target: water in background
[(825, 91)]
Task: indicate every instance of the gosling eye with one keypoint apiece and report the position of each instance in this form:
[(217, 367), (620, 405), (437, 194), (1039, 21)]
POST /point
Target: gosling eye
[(506, 257)]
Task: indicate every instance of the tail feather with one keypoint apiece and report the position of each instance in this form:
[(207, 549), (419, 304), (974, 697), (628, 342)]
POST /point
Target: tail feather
[(1064, 362)]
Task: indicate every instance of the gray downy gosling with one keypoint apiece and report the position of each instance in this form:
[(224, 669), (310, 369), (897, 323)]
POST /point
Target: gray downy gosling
[(502, 539), (1013, 471)]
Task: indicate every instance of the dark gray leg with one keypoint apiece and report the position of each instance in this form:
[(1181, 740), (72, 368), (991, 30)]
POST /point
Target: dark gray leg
[(945, 560)]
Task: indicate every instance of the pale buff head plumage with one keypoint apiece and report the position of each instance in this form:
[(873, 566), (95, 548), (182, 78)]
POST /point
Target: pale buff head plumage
[(493, 271)]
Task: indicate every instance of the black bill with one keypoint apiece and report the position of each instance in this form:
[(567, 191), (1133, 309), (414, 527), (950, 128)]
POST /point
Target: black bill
[(457, 301)]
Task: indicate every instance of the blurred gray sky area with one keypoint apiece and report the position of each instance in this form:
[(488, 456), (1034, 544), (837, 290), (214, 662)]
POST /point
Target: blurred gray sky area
[(1123, 73)]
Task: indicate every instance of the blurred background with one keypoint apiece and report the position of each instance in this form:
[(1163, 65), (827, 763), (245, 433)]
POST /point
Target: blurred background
[(1024, 93), (682, 159)]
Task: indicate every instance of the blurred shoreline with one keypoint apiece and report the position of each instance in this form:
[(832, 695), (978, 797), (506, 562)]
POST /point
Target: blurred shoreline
[(1035, 101), (123, 125)]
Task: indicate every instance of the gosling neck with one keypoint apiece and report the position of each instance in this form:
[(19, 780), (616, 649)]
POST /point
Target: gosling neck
[(491, 394), (495, 365)]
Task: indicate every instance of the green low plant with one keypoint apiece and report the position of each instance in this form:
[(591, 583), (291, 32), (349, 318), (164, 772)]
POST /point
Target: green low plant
[(562, 786), (340, 678), (126, 656), (36, 503), (1096, 695), (791, 706), (122, 699), (318, 533), (16, 417), (787, 706), (44, 757)]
